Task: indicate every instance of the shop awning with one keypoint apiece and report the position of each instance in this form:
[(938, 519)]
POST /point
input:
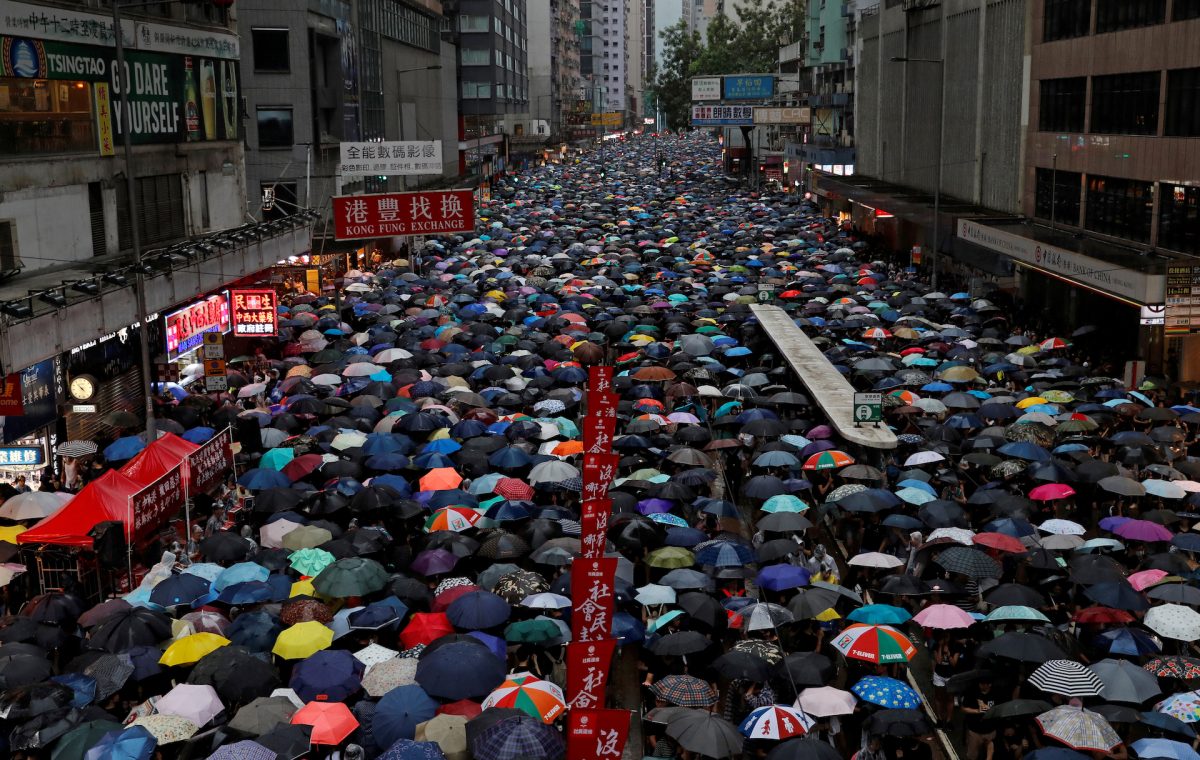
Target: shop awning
[(105, 498)]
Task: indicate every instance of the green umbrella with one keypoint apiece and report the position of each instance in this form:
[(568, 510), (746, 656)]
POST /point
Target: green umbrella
[(536, 631), (670, 557), (277, 459), (310, 561), (353, 576), (74, 744)]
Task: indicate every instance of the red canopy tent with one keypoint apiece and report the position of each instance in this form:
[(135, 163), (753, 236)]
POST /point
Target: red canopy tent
[(157, 458), (105, 498)]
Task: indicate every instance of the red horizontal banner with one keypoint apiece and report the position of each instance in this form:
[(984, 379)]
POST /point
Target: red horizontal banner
[(436, 212)]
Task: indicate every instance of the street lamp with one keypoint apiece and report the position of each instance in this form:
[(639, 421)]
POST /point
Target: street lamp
[(400, 97), (937, 190)]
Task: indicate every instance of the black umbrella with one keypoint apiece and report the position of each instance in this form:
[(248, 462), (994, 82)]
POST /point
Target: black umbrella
[(287, 741), (224, 547), (804, 748), (1024, 647), (680, 643), (898, 723), (136, 626), (806, 669), (237, 675), (736, 664)]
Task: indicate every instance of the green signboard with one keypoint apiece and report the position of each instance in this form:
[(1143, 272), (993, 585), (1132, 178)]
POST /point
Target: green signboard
[(868, 407), (172, 98)]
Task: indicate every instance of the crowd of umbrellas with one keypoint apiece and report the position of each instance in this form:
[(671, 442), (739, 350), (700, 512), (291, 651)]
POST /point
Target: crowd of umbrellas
[(414, 512)]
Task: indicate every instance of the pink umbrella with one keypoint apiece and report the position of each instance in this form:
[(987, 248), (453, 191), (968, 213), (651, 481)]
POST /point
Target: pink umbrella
[(1051, 491), (1146, 578), (195, 702), (1143, 530), (944, 616)]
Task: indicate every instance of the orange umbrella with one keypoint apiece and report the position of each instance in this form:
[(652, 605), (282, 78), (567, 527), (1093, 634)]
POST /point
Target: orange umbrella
[(441, 479), (331, 722), (567, 448), (424, 628)]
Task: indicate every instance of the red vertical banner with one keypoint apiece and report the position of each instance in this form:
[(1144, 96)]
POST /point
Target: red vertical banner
[(587, 672), (600, 425), (592, 594), (593, 527), (600, 380), (597, 734), (599, 471)]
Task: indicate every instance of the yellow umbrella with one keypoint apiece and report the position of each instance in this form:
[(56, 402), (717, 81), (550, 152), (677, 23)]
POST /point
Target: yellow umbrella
[(1029, 350), (9, 533), (302, 640), (961, 374), (303, 588), (190, 649), (1025, 403)]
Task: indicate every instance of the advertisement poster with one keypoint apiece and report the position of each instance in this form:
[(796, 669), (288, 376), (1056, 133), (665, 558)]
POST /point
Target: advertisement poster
[(349, 56), (172, 98), (208, 465), (39, 400), (600, 379), (599, 471), (186, 327)]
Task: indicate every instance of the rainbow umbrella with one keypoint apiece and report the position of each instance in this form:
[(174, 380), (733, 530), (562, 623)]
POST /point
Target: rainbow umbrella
[(775, 722), (456, 519), (528, 693), (874, 643), (828, 460)]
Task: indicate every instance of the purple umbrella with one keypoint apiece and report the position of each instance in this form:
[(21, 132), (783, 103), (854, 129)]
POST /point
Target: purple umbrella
[(1143, 530), (434, 562), (654, 506)]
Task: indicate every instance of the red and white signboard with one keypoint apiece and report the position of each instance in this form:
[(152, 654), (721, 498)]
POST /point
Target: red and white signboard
[(600, 379), (254, 312), (152, 506), (435, 212), (600, 425), (599, 471), (597, 734), (593, 527), (210, 464), (587, 672), (592, 592)]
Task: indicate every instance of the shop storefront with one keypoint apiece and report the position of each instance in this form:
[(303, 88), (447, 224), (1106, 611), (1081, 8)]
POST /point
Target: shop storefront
[(29, 428)]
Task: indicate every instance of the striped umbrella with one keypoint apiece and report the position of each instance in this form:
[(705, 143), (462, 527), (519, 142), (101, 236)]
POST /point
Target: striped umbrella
[(525, 691), (456, 519), (1078, 728), (775, 722), (874, 643), (1066, 677), (828, 460)]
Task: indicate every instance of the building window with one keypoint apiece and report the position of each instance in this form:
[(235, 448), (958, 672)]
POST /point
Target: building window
[(1179, 218), (473, 23), (96, 218), (39, 116), (160, 210), (1183, 103), (1115, 15), (271, 50), (275, 127), (1119, 207), (1060, 190), (1062, 105), (1125, 104), (472, 57), (476, 90), (1181, 10)]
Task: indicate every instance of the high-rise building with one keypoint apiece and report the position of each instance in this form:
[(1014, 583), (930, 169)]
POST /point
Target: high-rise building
[(493, 55), (553, 63)]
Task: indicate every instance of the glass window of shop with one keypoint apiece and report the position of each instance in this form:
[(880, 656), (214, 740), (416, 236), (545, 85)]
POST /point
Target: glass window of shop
[(1183, 103), (40, 116), (1119, 207), (1065, 19), (1060, 191), (1179, 218), (1115, 15), (1062, 104), (1125, 104)]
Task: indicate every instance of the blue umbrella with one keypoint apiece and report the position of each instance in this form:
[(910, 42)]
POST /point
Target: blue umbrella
[(724, 554), (497, 645), (1168, 723), (1164, 748), (178, 589), (687, 537), (627, 629), (135, 743), (260, 478), (1129, 641), (198, 435), (460, 670), (1030, 452), (509, 458), (124, 448), (387, 462), (406, 749), (246, 592), (478, 609), (330, 675), (145, 660), (393, 481), (880, 614), (781, 577), (374, 617), (433, 459), (255, 630), (385, 443), (399, 712), (83, 686), (442, 446), (242, 572), (886, 692)]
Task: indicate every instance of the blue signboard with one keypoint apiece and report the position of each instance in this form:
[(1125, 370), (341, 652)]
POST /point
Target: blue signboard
[(26, 456), (40, 399), (749, 87), (722, 116)]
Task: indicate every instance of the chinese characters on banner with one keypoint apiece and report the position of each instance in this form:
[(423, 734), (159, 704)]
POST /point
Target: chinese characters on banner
[(156, 503), (254, 312), (587, 672), (601, 423), (435, 212), (597, 734), (599, 471), (593, 524), (592, 595), (600, 380), (208, 465)]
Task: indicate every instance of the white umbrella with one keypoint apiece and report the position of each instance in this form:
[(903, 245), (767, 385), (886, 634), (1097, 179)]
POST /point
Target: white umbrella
[(546, 601), (349, 439), (875, 559), (198, 703), (373, 654), (271, 535), (32, 505), (10, 570), (391, 354), (251, 390), (924, 457), (652, 593), (552, 472), (1174, 621), (1062, 527), (327, 379), (360, 369)]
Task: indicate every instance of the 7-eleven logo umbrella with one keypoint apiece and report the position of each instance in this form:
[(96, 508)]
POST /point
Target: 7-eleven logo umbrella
[(525, 691), (875, 643)]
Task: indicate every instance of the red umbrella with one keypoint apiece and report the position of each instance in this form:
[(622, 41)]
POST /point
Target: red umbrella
[(331, 722), (1097, 614), (425, 628), (514, 489), (999, 542), (448, 597), (463, 707), (1051, 491), (302, 466)]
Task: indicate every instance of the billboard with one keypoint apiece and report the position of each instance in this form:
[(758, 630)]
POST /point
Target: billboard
[(802, 115), (186, 327), (748, 87), (254, 313), (706, 88), (433, 212), (722, 116), (391, 158)]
